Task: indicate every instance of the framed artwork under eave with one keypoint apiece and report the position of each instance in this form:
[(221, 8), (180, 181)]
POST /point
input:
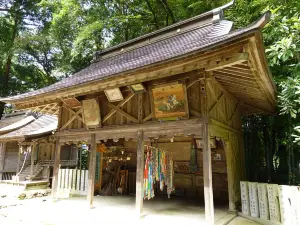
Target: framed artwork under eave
[(169, 101)]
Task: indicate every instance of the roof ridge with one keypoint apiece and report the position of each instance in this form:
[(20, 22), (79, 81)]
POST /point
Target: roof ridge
[(217, 15)]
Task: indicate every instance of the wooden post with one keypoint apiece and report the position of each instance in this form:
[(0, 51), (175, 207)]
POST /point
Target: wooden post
[(91, 176), (139, 174), (55, 170), (32, 147), (140, 108), (19, 159), (2, 158), (101, 168), (207, 176)]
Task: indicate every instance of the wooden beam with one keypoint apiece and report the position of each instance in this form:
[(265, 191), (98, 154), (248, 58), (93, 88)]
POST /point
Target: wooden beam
[(218, 100), (237, 59), (207, 177), (234, 111), (55, 170), (139, 175), (195, 113), (92, 169), (193, 82), (122, 112), (147, 118), (76, 114), (52, 108), (119, 106), (44, 108), (71, 119), (135, 127)]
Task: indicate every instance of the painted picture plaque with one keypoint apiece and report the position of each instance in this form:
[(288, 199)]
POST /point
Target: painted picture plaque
[(91, 112), (170, 101)]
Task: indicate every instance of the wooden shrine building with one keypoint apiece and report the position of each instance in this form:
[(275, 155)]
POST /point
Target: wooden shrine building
[(27, 147), (190, 82)]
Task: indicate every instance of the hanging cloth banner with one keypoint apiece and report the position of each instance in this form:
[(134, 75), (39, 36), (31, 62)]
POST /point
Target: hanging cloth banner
[(158, 168)]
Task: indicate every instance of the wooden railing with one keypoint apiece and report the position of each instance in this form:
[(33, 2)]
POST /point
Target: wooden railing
[(62, 162)]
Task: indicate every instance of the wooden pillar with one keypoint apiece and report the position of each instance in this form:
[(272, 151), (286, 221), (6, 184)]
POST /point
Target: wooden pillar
[(32, 147), (140, 108), (101, 169), (19, 159), (92, 165), (2, 158), (207, 176), (55, 170), (139, 174)]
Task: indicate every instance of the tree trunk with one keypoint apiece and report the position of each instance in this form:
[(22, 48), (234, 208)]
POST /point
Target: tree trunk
[(153, 14), (169, 10), (5, 90)]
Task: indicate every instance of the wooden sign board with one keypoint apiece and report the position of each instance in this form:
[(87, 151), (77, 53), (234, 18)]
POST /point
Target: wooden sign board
[(288, 200), (91, 112), (253, 199), (273, 203), (263, 201), (245, 198)]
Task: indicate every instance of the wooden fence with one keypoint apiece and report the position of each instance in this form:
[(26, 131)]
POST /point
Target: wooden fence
[(72, 182), (277, 203)]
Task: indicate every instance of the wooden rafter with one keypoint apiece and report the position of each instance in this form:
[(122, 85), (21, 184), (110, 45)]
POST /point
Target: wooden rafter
[(237, 59), (52, 108), (118, 106)]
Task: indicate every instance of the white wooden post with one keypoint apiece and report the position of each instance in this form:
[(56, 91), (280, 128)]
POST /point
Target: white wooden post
[(139, 174), (207, 176)]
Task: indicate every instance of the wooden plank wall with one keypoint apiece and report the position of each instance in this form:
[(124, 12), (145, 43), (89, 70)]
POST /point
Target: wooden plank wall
[(11, 157), (194, 96), (226, 122)]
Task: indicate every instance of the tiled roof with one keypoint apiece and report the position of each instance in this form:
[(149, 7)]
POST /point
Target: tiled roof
[(163, 49), (44, 124)]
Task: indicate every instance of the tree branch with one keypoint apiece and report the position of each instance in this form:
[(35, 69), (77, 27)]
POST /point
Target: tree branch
[(4, 10)]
